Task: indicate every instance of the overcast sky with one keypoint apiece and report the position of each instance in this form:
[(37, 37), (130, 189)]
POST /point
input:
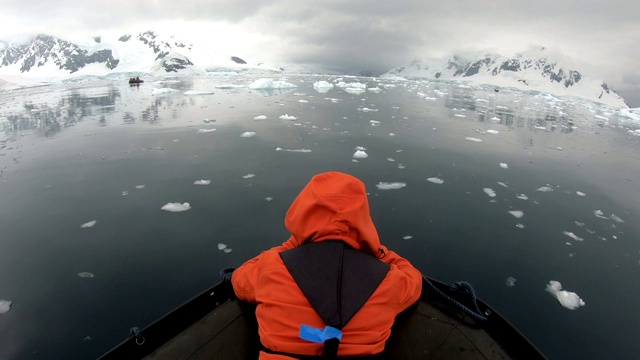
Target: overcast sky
[(597, 37)]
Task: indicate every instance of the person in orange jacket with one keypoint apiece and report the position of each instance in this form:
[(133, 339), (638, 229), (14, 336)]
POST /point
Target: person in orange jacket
[(331, 287)]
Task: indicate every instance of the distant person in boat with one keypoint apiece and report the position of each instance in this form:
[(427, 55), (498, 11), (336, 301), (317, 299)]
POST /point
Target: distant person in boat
[(331, 289)]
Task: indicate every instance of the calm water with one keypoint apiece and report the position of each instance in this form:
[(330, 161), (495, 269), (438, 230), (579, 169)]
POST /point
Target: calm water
[(78, 152)]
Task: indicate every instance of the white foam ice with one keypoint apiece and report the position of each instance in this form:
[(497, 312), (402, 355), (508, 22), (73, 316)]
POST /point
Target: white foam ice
[(202, 182), (160, 91), (294, 150), (89, 224), (572, 235), (260, 117), (390, 186), (322, 86), (248, 176), (510, 282), (504, 165), (198, 92), (176, 207), (435, 180), (266, 84), (248, 134), (472, 139), (544, 189), (570, 300), (489, 192), (86, 275), (517, 213), (493, 132), (5, 305), (287, 117), (206, 130)]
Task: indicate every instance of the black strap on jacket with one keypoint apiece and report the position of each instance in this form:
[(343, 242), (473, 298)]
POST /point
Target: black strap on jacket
[(336, 279)]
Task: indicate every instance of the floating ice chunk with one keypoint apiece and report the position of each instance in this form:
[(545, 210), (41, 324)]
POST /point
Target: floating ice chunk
[(287, 117), (268, 198), (293, 150), (540, 127), (375, 90), (489, 192), (502, 184), (140, 186), (176, 207), (392, 134), (517, 213), (264, 84), (435, 180), (544, 189), (580, 193), (494, 132), (472, 139), (520, 226), (226, 250), (222, 246), (570, 300), (125, 193), (208, 121), (85, 274), (573, 236), (160, 91), (522, 197), (374, 122), (391, 159), (206, 130), (460, 115), (600, 214), (248, 134), (248, 176), (510, 282), (504, 165), (197, 92), (495, 118), (407, 237), (430, 98), (390, 186), (202, 182), (360, 154), (89, 224), (322, 86), (260, 117), (616, 218), (5, 305), (581, 224), (303, 101)]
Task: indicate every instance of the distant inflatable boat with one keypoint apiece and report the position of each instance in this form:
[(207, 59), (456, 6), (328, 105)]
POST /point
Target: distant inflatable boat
[(135, 82), (215, 325)]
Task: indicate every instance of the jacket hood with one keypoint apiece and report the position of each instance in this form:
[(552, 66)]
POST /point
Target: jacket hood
[(333, 206)]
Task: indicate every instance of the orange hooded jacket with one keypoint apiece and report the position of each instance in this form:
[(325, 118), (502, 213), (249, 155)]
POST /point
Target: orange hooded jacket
[(333, 206)]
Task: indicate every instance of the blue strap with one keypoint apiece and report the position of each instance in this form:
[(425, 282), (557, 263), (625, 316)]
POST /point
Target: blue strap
[(318, 335)]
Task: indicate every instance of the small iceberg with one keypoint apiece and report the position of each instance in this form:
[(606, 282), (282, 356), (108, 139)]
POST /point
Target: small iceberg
[(472, 139), (390, 186), (489, 192), (360, 154), (248, 176), (570, 300), (435, 180), (544, 189), (517, 213), (202, 182), (260, 117), (5, 305), (580, 193), (176, 207), (223, 247), (322, 86), (287, 117), (89, 224), (206, 130), (266, 84), (493, 132), (504, 165)]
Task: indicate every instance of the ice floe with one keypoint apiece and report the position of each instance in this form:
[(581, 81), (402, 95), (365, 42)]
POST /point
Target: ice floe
[(265, 84), (160, 91), (322, 86), (206, 130), (85, 274), (517, 213), (365, 109), (260, 117), (375, 90), (572, 235), (504, 165), (140, 187), (89, 224), (460, 115), (268, 198), (599, 214), (125, 193), (5, 305), (544, 189), (489, 192), (287, 117), (294, 150), (248, 134), (374, 122), (522, 197), (570, 300), (493, 132), (407, 237), (197, 92), (176, 207), (248, 176), (360, 153), (520, 226), (472, 139), (615, 218), (302, 101), (390, 186), (495, 118), (435, 180), (510, 282), (224, 247), (202, 182), (502, 184)]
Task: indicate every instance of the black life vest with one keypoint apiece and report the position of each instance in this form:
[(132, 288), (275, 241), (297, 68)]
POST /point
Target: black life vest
[(337, 280)]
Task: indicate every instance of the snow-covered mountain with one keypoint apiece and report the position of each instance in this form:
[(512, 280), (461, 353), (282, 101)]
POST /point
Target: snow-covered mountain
[(47, 57), (531, 70)]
